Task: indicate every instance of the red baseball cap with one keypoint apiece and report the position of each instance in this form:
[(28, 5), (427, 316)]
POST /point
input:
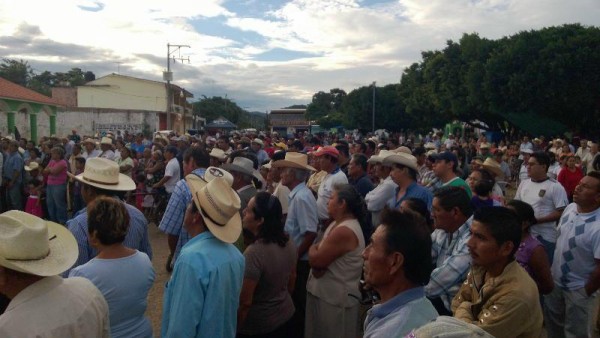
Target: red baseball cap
[(327, 150)]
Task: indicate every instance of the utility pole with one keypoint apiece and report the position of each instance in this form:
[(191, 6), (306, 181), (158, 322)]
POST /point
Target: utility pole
[(168, 76), (373, 119)]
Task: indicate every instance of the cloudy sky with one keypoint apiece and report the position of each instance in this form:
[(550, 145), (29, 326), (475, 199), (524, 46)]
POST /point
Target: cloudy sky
[(263, 54)]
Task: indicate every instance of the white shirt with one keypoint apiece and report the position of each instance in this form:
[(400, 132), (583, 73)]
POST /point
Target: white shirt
[(57, 307), (94, 153), (109, 155), (172, 170), (283, 195), (326, 190), (553, 170), (377, 198), (544, 197)]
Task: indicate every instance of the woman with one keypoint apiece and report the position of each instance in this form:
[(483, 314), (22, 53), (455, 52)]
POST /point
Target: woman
[(418, 206), (34, 156), (332, 307), (481, 183), (266, 305), (125, 162), (570, 176), (531, 254), (155, 168), (123, 275), (56, 186)]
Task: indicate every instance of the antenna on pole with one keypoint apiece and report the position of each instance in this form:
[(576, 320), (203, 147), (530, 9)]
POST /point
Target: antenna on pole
[(168, 75), (118, 67)]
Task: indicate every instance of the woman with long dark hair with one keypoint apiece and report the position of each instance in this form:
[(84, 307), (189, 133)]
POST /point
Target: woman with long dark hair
[(332, 306), (266, 305)]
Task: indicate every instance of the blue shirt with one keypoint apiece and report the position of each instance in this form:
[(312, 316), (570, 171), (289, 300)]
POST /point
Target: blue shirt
[(202, 297), (398, 316), (363, 185), (137, 235), (302, 215), (13, 162), (126, 295), (172, 221), (413, 191)]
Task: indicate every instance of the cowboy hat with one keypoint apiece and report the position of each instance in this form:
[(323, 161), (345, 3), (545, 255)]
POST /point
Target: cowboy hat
[(294, 160), (430, 145), (259, 142), (31, 245), (402, 149), (493, 166), (89, 140), (106, 140), (379, 157), (281, 145), (104, 174), (219, 206), (448, 327), (401, 158), (240, 164), (32, 166), (218, 153), (214, 172)]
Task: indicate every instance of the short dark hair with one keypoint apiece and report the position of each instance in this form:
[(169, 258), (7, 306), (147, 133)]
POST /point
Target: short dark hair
[(268, 207), (371, 145), (172, 149), (419, 206), (486, 184), (542, 158), (454, 197), (198, 155), (596, 175), (343, 149), (278, 155), (361, 160), (109, 218), (298, 145), (405, 233), (502, 223), (523, 210), (418, 151)]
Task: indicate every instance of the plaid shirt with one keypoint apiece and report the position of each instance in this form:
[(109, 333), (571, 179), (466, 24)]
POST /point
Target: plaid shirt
[(452, 261), (172, 221)]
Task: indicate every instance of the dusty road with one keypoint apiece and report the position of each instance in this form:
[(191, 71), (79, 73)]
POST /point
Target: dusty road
[(158, 240)]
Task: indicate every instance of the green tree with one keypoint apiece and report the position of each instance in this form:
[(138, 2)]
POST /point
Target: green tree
[(216, 106), (17, 71)]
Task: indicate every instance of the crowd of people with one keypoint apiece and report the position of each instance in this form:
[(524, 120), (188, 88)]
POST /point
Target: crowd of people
[(297, 235)]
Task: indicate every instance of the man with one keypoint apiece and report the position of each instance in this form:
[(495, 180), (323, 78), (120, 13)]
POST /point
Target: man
[(444, 167), (378, 198), (592, 157), (499, 296), (90, 149), (547, 197), (421, 155), (242, 170), (106, 151), (523, 172), (451, 212), (301, 225), (217, 157), (397, 266), (404, 174), (572, 306), (344, 156), (223, 144), (357, 174), (257, 146), (138, 145), (74, 136), (201, 298), (172, 172), (33, 252), (13, 176), (328, 159), (525, 144), (499, 156), (101, 177), (195, 161)]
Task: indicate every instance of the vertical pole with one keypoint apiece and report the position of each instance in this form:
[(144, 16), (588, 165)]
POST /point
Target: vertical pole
[(168, 87), (373, 117), (33, 126)]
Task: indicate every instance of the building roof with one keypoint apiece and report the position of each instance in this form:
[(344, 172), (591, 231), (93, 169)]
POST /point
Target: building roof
[(187, 93), (10, 90)]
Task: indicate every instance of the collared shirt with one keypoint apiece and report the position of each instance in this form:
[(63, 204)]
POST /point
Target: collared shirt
[(398, 316), (202, 297), (172, 221), (326, 190), (302, 215), (137, 235), (413, 191), (108, 154), (363, 185), (57, 307), (283, 194), (94, 153), (13, 162), (452, 261), (377, 198)]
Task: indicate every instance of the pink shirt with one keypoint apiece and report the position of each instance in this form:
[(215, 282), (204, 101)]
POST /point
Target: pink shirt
[(59, 178)]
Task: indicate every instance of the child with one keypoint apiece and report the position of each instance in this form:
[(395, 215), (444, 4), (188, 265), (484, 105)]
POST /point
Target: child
[(78, 202), (34, 205)]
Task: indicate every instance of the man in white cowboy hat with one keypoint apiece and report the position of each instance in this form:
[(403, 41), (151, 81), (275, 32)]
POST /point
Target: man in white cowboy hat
[(13, 176), (378, 198), (106, 148), (257, 146), (195, 161), (101, 177), (90, 149), (217, 157), (301, 224), (404, 174), (242, 169), (33, 252), (202, 296)]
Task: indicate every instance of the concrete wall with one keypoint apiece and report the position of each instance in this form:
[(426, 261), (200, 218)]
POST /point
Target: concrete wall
[(121, 92), (89, 122)]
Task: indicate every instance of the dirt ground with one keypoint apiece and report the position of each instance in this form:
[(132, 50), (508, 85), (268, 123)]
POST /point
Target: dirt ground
[(160, 251)]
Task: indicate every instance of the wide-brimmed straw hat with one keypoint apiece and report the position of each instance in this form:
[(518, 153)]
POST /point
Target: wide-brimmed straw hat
[(106, 140), (294, 160), (401, 158), (379, 157), (219, 206), (32, 166), (104, 174), (448, 327), (31, 245), (218, 153), (89, 140), (493, 166), (214, 172), (240, 164)]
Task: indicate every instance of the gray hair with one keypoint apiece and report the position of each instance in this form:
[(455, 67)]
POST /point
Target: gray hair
[(301, 174)]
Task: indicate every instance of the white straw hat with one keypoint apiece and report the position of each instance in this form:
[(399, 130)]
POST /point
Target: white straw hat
[(379, 157), (31, 245), (403, 159), (218, 153), (294, 160), (104, 174), (32, 166), (240, 164)]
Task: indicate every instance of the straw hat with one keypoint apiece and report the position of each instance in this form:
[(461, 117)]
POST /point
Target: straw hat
[(448, 327), (404, 159), (294, 160), (219, 206), (89, 140), (402, 149), (240, 164), (281, 145), (379, 158), (430, 145), (32, 166), (218, 153), (106, 140), (31, 245), (259, 142), (214, 172), (104, 174), (493, 166)]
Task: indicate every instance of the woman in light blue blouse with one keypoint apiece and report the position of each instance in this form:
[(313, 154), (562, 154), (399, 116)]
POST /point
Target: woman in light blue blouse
[(123, 275)]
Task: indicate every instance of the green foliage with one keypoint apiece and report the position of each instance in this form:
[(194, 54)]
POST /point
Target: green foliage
[(17, 71), (211, 108), (323, 103)]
